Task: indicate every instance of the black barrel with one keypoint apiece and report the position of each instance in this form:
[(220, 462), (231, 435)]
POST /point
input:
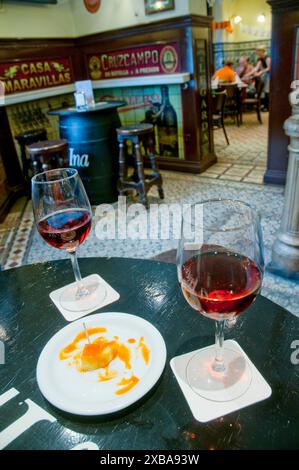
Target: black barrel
[(93, 149)]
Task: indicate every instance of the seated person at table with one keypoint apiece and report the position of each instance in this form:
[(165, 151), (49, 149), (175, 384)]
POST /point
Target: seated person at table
[(226, 73), (244, 69)]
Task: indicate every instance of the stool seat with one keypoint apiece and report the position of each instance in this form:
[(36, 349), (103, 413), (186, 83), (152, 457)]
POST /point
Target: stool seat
[(135, 129), (48, 154), (47, 146)]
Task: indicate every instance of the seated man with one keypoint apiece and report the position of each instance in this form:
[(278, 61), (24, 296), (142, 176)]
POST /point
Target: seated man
[(226, 73), (244, 69)]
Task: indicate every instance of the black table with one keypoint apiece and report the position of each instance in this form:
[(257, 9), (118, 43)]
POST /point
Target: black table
[(93, 149), (162, 419)]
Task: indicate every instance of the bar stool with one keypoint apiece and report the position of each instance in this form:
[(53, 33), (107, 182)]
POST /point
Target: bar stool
[(48, 154), (137, 134), (24, 139)]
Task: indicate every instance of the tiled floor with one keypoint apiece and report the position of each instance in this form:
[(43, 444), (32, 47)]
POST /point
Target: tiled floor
[(246, 157), (22, 235), (9, 228), (181, 188)]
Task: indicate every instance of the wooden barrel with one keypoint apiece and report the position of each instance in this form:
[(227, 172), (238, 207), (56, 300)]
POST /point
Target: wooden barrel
[(93, 149)]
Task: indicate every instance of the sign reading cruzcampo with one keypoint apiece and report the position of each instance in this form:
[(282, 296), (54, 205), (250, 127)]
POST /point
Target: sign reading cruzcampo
[(135, 62), (32, 75)]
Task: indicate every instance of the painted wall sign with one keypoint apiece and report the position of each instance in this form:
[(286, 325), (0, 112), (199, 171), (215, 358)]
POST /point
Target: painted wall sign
[(135, 62), (32, 75), (159, 105), (77, 160)]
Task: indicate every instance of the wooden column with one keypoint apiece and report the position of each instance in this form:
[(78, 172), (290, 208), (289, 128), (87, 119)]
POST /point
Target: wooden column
[(285, 21)]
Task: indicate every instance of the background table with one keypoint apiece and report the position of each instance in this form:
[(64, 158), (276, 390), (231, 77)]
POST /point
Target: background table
[(93, 149), (161, 420)]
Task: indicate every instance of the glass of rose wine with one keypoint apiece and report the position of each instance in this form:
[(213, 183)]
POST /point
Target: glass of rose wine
[(63, 218), (220, 269)]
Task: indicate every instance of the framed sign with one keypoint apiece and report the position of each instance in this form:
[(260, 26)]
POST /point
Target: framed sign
[(135, 62), (92, 5), (157, 6), (29, 75)]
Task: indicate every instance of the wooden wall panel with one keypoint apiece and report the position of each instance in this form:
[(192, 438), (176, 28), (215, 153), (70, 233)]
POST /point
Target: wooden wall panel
[(285, 21)]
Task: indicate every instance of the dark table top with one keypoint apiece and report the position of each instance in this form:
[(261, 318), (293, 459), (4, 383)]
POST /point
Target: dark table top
[(162, 419), (99, 107)]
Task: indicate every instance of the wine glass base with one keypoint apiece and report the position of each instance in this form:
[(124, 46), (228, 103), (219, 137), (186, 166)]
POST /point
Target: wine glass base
[(219, 386), (70, 301)]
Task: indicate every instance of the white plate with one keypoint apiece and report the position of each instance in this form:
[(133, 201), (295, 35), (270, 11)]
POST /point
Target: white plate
[(82, 393)]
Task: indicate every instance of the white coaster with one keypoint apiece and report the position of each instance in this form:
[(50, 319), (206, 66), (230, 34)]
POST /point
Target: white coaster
[(110, 296), (205, 410)]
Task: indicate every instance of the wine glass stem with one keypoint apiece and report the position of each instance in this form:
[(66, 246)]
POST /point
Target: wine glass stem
[(218, 364), (82, 291)]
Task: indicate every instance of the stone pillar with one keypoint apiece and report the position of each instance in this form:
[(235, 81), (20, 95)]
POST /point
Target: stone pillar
[(285, 251)]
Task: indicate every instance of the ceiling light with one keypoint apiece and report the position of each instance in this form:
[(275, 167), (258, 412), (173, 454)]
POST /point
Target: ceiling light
[(261, 18), (237, 19)]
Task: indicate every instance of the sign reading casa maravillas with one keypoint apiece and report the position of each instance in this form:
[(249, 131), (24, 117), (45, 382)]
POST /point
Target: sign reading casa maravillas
[(137, 61), (32, 75)]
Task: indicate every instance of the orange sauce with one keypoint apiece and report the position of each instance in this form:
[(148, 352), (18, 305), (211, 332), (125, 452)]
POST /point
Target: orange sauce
[(66, 352), (101, 341), (123, 353), (108, 375), (145, 351), (127, 385)]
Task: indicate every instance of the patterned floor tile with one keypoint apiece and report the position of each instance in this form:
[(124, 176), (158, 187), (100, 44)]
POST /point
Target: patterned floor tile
[(230, 177), (211, 174), (8, 229), (248, 148), (240, 170), (254, 179), (255, 172)]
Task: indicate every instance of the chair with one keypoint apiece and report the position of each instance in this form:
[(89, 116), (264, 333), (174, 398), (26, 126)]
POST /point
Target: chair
[(48, 154), (233, 105), (141, 182), (256, 102), (218, 105)]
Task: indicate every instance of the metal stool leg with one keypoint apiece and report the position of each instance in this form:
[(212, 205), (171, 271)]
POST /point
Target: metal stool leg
[(45, 165), (141, 182), (122, 166), (152, 158), (35, 166)]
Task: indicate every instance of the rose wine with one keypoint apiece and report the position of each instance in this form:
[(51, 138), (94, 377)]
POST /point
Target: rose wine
[(66, 229), (220, 283)]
